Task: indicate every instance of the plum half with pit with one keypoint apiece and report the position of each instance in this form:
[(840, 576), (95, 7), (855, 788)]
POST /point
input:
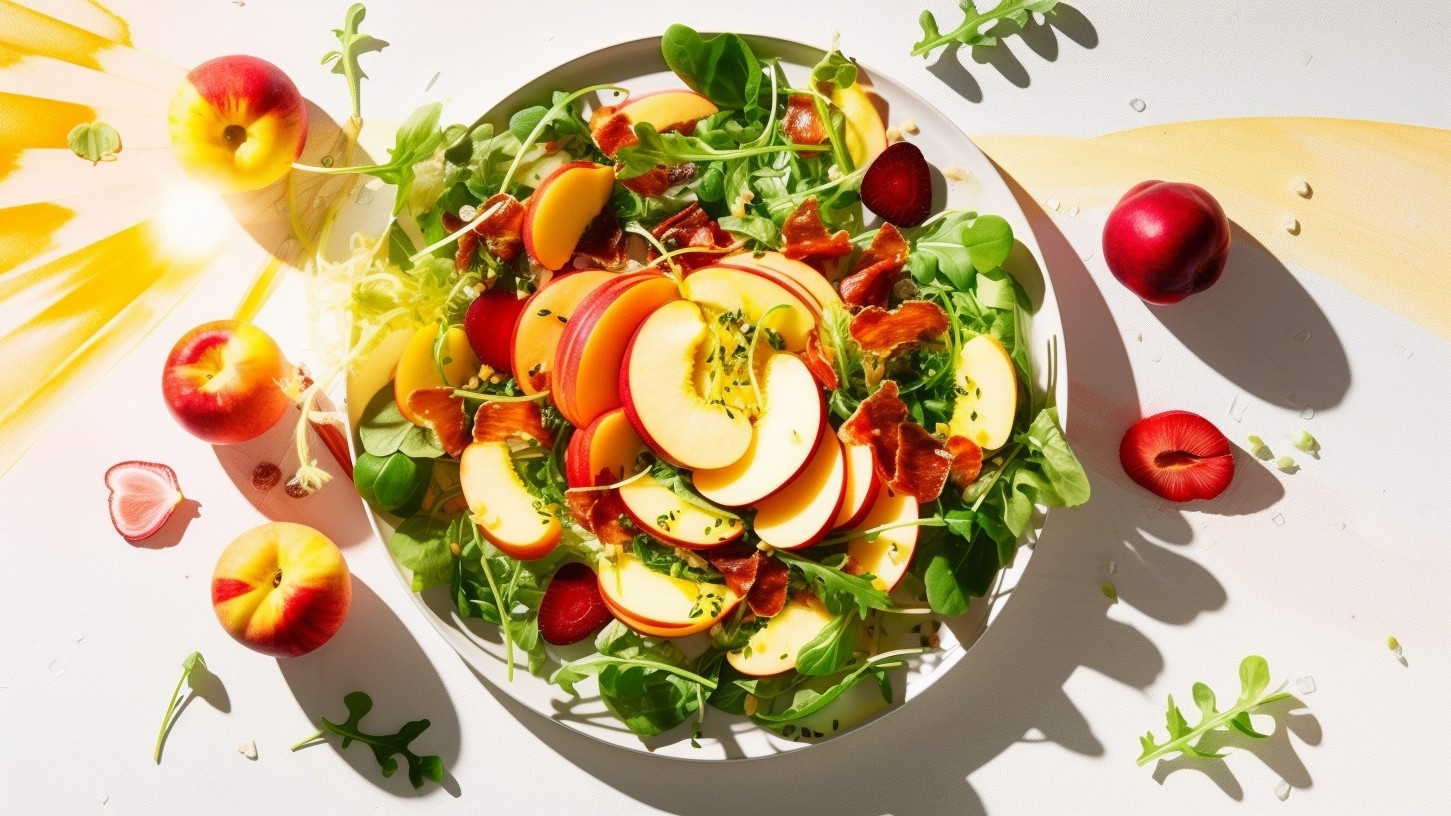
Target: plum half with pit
[(1166, 240)]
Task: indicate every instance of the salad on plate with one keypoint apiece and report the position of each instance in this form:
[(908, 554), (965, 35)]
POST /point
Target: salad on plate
[(700, 399)]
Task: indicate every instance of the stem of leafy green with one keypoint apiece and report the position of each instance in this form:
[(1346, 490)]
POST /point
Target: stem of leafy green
[(499, 605), (870, 534), (188, 665)]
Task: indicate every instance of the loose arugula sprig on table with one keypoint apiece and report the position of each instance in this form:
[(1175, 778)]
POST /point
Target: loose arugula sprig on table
[(978, 27), (193, 663), (1254, 678), (386, 747)]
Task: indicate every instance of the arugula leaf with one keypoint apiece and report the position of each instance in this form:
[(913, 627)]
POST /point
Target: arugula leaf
[(834, 71), (957, 246), (1049, 448), (757, 228), (415, 141), (383, 430), (354, 45), (831, 650), (384, 746), (656, 149), (667, 561), (840, 591), (562, 119), (94, 141), (193, 664), (975, 23), (807, 701), (722, 68), (423, 543), (648, 683), (1254, 677)]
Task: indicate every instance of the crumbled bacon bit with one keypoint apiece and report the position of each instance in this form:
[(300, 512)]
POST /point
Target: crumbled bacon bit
[(444, 413), (753, 575), (266, 476), (497, 421), (602, 246), (612, 131), (875, 272), (806, 237), (801, 123), (601, 511), (966, 460), (886, 333), (819, 363), (692, 227), (907, 457), (768, 594), (468, 243), (502, 226), (738, 564), (922, 463)]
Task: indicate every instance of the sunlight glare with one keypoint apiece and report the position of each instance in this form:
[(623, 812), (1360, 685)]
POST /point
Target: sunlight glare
[(192, 221)]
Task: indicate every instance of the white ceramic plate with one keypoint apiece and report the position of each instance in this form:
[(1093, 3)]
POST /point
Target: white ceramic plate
[(638, 66)]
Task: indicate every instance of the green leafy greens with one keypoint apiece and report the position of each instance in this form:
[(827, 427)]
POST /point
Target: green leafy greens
[(193, 664), (1254, 678), (385, 746), (94, 141), (648, 683), (978, 27), (353, 44)]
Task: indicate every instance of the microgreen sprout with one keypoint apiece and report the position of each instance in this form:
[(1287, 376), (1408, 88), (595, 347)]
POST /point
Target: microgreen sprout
[(1286, 464), (1305, 442), (192, 663)]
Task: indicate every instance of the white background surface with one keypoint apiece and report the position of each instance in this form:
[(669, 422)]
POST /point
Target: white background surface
[(1312, 571)]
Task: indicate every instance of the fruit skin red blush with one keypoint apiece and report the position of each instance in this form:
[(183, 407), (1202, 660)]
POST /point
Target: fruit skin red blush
[(1177, 455)]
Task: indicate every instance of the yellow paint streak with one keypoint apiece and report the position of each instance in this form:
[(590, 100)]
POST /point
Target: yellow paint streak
[(29, 122), (1372, 223), (78, 317), (87, 15), (28, 232), (31, 32)]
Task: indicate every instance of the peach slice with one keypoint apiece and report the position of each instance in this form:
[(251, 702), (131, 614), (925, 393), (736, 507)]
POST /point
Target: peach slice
[(890, 554), (668, 110), (657, 510), (541, 323), (560, 209), (417, 368), (783, 439), (657, 387), (656, 631), (866, 136), (802, 512), (774, 647), (590, 352), (508, 515), (608, 443), (659, 600), (862, 485), (780, 267), (731, 288), (987, 393)]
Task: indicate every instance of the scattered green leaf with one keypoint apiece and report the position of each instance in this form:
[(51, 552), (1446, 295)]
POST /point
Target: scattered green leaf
[(978, 28), (385, 746), (94, 141), (353, 44), (194, 662), (1254, 677)]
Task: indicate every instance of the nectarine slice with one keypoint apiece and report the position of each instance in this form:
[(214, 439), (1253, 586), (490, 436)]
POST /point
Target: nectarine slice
[(987, 393), (774, 647), (607, 444), (862, 485), (661, 600), (669, 109), (783, 440), (560, 209), (418, 368), (658, 390), (728, 289), (591, 350), (888, 556), (866, 136), (513, 519), (796, 271), (657, 510), (802, 512), (542, 323)]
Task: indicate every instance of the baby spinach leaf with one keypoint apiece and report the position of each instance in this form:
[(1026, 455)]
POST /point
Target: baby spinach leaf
[(831, 650), (383, 429), (423, 544), (394, 483), (1048, 447), (833, 71), (1254, 677), (385, 746), (722, 68)]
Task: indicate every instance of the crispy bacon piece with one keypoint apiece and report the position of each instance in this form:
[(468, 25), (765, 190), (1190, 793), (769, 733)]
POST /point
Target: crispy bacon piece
[(966, 461), (871, 278), (602, 246), (502, 227), (806, 237), (692, 227), (600, 511), (819, 363), (802, 124), (886, 333), (468, 243), (753, 575), (444, 413), (611, 131), (922, 463), (497, 421)]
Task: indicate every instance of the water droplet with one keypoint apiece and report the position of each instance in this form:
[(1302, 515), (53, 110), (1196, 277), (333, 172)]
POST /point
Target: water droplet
[(1237, 407), (1155, 356), (327, 161), (1073, 211), (1110, 567), (1303, 335), (1307, 413), (1305, 57), (548, 36), (77, 635), (1339, 525), (105, 797), (1054, 204), (1279, 520), (365, 196), (1302, 188), (1282, 790), (429, 87), (1291, 224), (1138, 105), (1306, 684), (57, 667), (1405, 352), (467, 212), (1087, 254)]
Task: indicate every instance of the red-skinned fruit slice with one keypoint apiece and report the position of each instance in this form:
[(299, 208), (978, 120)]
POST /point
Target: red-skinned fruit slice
[(572, 608), (489, 326), (898, 185), (143, 496), (1177, 455)]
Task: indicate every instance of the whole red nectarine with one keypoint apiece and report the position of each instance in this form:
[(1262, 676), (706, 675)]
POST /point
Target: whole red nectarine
[(1166, 240)]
